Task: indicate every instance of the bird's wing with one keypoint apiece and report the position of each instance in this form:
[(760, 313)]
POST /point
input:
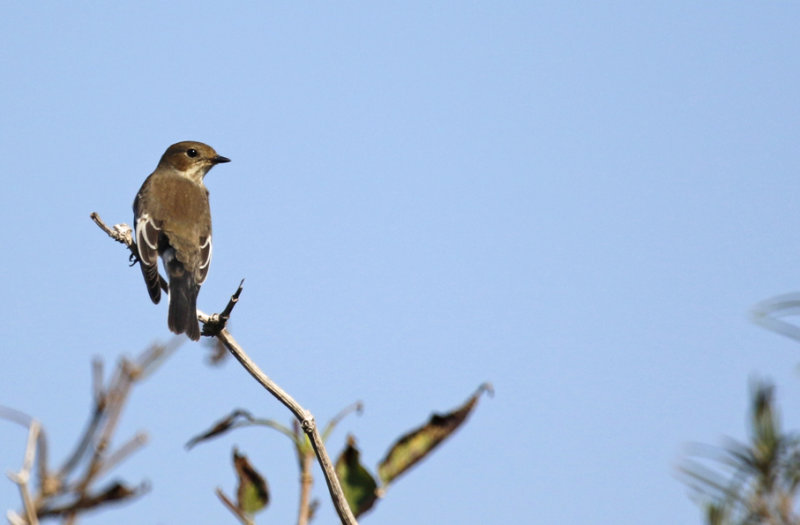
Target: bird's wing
[(204, 259), (147, 232), (147, 235)]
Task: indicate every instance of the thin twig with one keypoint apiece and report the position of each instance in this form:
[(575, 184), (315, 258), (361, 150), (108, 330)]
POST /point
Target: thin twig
[(22, 477), (97, 380), (306, 483), (131, 446), (233, 508), (213, 324), (358, 407), (768, 314), (88, 434), (121, 233), (149, 360)]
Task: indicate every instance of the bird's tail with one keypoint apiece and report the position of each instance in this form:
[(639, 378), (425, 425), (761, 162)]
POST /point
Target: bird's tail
[(182, 316), (152, 280)]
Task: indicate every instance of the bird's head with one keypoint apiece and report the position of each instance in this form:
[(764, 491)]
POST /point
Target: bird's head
[(191, 159)]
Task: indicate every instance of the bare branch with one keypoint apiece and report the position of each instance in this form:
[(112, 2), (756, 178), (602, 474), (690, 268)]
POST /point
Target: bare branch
[(86, 438), (153, 357), (215, 325), (22, 477), (143, 366), (305, 418), (133, 444), (108, 404), (115, 399), (56, 493), (122, 233)]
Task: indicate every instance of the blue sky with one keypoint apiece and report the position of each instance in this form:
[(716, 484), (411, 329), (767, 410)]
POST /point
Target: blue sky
[(578, 203)]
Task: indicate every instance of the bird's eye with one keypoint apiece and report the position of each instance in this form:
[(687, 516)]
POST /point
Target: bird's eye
[(191, 152)]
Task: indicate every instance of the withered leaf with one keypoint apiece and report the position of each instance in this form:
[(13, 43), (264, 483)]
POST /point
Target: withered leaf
[(357, 483), (252, 494), (221, 427), (114, 492), (418, 443)]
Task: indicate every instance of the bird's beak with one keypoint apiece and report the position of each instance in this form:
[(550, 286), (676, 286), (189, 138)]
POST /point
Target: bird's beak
[(219, 159)]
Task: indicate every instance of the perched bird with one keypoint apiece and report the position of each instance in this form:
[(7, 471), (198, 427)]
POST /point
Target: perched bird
[(172, 219)]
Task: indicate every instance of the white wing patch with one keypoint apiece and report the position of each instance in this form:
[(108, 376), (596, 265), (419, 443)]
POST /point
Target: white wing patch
[(205, 259), (147, 239)]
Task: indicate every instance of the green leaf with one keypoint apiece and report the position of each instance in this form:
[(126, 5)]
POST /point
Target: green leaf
[(418, 443), (252, 494), (357, 483)]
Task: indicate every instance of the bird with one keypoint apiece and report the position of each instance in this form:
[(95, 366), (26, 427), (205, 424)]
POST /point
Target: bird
[(172, 219)]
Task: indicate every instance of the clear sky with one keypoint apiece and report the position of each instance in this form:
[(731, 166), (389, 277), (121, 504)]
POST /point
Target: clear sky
[(578, 203)]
